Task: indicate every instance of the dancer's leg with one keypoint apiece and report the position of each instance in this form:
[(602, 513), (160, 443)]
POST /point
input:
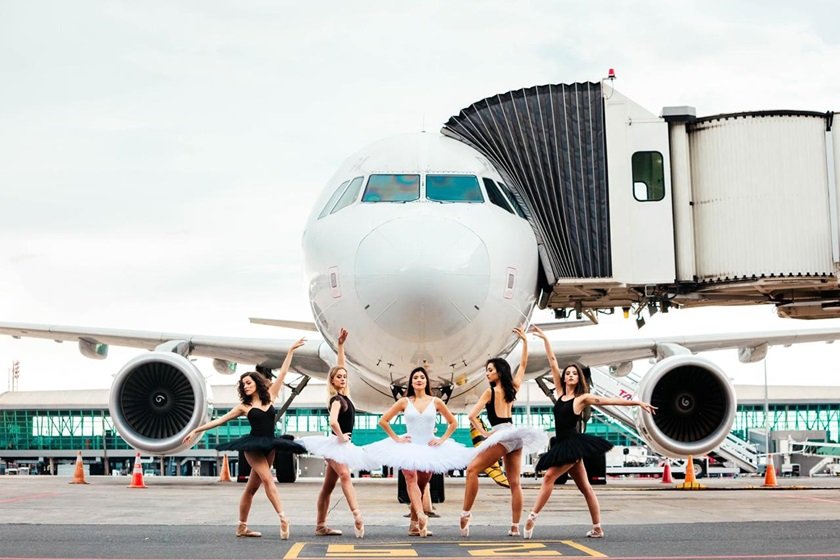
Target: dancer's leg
[(579, 475), (323, 503), (513, 467), (481, 461)]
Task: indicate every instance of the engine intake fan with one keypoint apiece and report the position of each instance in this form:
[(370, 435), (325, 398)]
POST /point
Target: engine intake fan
[(695, 406), (156, 399)]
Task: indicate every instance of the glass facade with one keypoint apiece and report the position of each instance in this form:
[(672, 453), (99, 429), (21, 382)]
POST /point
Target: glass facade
[(71, 430)]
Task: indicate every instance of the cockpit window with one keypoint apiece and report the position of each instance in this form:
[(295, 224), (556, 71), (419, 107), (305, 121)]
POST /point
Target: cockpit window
[(514, 201), (495, 195), (392, 188), (349, 196), (331, 202), (453, 188)]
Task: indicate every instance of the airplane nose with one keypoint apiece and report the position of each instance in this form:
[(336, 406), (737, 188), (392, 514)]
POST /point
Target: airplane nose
[(422, 279)]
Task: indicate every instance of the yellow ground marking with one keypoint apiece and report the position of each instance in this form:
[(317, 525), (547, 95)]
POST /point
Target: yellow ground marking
[(368, 551), (584, 549), (507, 550), (294, 552)]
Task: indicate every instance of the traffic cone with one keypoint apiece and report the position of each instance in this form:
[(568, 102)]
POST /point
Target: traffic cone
[(666, 473), (79, 472), (770, 474), (224, 475), (690, 479), (137, 474)]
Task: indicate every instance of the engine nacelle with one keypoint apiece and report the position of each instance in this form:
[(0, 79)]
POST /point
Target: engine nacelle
[(156, 399), (695, 406)]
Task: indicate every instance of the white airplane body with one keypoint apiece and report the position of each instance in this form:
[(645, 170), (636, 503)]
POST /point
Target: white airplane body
[(419, 249)]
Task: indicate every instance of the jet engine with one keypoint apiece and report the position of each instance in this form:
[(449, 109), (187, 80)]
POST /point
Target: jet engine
[(695, 406), (156, 399)]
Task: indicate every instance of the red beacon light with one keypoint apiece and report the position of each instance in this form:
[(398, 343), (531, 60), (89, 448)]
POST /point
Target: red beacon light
[(611, 74)]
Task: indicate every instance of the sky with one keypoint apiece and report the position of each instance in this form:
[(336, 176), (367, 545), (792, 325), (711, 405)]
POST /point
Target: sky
[(158, 159)]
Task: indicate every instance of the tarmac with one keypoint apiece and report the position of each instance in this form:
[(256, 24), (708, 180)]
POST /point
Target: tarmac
[(187, 517)]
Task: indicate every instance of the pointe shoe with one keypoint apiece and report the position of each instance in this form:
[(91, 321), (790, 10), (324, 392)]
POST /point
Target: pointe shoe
[(514, 530), (242, 530), (324, 531), (529, 525), (464, 523), (596, 532), (422, 522), (358, 524), (285, 527)]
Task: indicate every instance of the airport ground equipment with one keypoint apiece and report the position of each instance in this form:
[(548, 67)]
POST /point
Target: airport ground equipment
[(637, 210)]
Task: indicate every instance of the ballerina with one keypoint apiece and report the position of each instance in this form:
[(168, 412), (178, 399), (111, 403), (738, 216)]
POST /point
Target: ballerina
[(338, 451), (419, 453), (506, 441), (570, 447), (261, 444)]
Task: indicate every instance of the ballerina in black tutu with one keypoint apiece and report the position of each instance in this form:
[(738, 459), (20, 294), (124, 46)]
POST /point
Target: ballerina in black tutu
[(261, 444), (570, 446), (338, 451)]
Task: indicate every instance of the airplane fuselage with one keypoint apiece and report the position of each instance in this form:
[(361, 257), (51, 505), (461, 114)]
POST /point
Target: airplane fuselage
[(417, 247)]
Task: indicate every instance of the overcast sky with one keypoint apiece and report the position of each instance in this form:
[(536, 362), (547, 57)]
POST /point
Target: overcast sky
[(158, 159)]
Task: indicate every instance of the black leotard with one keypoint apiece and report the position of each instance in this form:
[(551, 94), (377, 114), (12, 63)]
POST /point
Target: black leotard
[(490, 407), (346, 414), (262, 436), (569, 445)]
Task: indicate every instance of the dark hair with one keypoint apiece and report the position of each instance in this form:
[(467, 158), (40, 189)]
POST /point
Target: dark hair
[(410, 391), (581, 387), (505, 377), (262, 387)]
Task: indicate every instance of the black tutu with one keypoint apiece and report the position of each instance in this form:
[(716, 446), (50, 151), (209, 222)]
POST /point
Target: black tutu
[(572, 448), (263, 443)]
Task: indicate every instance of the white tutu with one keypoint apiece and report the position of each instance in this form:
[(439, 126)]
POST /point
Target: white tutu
[(345, 453), (449, 455), (513, 437)]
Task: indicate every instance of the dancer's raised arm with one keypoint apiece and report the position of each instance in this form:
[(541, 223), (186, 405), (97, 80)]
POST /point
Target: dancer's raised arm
[(552, 359), (523, 361), (342, 336), (274, 390)]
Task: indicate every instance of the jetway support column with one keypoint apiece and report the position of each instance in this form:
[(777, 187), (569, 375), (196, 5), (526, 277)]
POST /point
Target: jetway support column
[(677, 117)]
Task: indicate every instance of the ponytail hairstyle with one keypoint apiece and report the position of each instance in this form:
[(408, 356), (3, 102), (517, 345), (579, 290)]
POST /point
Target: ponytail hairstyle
[(505, 377)]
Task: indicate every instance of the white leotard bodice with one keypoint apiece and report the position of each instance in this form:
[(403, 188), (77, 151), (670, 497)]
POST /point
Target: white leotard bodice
[(420, 426)]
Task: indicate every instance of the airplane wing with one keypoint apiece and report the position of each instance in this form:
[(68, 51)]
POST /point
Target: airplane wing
[(751, 347), (266, 352)]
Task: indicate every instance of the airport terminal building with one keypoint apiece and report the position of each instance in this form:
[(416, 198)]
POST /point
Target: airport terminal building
[(43, 430)]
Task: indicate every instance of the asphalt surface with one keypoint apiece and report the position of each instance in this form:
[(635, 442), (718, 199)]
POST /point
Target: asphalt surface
[(46, 517)]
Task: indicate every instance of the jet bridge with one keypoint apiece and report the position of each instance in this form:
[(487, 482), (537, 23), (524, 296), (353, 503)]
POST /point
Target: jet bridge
[(634, 209)]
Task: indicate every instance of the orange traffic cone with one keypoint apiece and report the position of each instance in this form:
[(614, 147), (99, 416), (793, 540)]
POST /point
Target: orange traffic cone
[(137, 474), (770, 474), (79, 472), (690, 478), (666, 473), (224, 475)]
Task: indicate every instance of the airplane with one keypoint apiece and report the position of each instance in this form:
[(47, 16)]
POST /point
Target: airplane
[(420, 248)]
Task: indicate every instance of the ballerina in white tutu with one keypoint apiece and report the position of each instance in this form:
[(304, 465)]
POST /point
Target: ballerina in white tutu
[(338, 451), (419, 453), (570, 447), (506, 441)]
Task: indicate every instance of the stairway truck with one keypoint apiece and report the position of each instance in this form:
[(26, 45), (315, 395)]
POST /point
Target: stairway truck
[(630, 207)]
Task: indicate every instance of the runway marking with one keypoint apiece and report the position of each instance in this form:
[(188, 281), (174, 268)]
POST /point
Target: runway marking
[(440, 550), (815, 499), (29, 497)]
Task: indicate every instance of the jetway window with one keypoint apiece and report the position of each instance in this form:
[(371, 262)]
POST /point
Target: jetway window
[(349, 196), (331, 202), (496, 196), (453, 188), (648, 176), (392, 188)]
